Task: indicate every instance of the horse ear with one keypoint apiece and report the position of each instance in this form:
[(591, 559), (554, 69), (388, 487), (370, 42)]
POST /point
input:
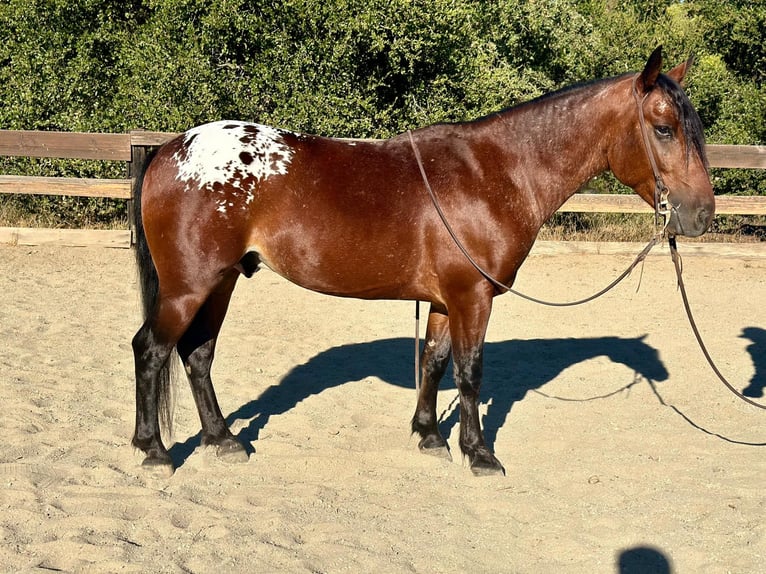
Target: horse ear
[(652, 69), (679, 72)]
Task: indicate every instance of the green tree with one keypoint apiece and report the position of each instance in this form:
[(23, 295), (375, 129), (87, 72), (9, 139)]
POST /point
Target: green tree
[(358, 68)]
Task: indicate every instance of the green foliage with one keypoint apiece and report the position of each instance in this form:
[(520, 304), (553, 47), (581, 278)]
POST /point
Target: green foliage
[(357, 68), (734, 30)]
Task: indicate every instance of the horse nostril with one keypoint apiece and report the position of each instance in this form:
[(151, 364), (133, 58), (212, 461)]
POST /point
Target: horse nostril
[(704, 217)]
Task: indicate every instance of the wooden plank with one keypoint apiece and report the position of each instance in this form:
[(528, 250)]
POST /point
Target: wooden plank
[(631, 203), (144, 138), (81, 145), (65, 145), (579, 203), (118, 238), (70, 186), (740, 205), (631, 249), (606, 203), (737, 156)]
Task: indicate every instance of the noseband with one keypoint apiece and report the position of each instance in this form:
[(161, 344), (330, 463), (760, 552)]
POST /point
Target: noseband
[(662, 207)]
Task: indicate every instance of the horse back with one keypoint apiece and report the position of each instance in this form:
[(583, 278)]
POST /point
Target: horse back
[(344, 217)]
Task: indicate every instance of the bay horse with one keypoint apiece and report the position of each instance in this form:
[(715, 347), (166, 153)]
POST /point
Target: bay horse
[(352, 218)]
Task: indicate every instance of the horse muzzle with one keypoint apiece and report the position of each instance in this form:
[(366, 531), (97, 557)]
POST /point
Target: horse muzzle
[(690, 221)]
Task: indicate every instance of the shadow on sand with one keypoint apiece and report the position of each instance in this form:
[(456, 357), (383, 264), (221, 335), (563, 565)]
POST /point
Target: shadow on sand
[(757, 350), (644, 560), (511, 369)]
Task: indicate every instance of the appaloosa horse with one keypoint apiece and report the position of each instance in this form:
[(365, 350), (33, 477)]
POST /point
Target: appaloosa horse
[(353, 218)]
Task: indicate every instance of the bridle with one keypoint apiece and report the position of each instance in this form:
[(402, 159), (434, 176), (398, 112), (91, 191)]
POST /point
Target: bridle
[(662, 207), (662, 212)]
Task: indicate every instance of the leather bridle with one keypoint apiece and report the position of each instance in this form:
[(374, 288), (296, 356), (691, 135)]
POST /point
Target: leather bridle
[(662, 207), (662, 210)]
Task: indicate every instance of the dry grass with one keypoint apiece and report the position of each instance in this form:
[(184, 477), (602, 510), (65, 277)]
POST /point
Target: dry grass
[(640, 227), (61, 212), (562, 226), (12, 216)]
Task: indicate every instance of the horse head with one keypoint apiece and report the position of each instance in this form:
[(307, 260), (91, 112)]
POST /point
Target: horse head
[(661, 154)]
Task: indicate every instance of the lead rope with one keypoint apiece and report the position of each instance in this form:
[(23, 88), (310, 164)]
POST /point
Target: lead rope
[(502, 286), (660, 209), (417, 348), (497, 284), (678, 264)]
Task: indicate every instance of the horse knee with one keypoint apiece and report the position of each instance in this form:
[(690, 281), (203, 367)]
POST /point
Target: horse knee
[(435, 359), (468, 375)]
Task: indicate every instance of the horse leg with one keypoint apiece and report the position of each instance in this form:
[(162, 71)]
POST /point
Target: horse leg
[(434, 360), (197, 350), (468, 325), (152, 346)]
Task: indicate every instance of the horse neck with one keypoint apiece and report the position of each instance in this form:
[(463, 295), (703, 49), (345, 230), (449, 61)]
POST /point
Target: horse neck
[(559, 142)]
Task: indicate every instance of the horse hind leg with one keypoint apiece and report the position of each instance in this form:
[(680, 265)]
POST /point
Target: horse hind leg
[(152, 348), (197, 351), (434, 360)]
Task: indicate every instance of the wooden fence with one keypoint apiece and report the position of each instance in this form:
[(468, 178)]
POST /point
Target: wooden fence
[(132, 149)]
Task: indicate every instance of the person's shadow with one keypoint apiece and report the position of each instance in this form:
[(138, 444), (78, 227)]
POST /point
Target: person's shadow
[(643, 560), (511, 369), (757, 350)]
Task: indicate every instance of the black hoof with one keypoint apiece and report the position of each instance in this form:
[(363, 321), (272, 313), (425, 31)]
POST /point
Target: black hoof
[(438, 452), (435, 445), (158, 467), (231, 450), (484, 463)]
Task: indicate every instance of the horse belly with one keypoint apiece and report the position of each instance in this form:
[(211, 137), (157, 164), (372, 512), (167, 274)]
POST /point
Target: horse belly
[(351, 261)]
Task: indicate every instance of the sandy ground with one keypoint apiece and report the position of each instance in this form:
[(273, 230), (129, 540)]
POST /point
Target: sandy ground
[(623, 452)]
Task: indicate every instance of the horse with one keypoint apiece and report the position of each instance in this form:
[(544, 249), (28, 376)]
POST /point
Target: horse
[(353, 218)]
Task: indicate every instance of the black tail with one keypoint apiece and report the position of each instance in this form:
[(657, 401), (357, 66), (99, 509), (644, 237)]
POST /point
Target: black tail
[(149, 286)]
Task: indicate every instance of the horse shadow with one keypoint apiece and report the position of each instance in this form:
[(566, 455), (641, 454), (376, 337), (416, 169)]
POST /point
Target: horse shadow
[(757, 350), (511, 370)]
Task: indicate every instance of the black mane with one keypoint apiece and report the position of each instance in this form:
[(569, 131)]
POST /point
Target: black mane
[(690, 120)]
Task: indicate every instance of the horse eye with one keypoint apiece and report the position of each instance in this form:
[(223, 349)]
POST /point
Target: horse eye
[(663, 132)]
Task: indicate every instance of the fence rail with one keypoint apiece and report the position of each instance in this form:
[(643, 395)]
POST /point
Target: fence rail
[(132, 147)]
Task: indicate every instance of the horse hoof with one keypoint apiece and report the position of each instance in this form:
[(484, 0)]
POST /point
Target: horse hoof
[(481, 470), (434, 445), (232, 451), (485, 464), (437, 451), (156, 468)]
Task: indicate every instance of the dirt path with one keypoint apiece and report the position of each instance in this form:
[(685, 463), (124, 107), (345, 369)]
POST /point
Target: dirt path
[(620, 446)]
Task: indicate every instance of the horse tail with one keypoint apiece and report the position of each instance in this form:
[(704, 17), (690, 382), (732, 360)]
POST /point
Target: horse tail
[(149, 287)]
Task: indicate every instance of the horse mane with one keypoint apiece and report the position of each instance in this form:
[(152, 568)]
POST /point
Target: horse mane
[(694, 131), (566, 90), (691, 124)]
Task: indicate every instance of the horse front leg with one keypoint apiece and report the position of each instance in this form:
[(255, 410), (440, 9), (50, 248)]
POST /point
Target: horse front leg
[(433, 360), (468, 326)]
